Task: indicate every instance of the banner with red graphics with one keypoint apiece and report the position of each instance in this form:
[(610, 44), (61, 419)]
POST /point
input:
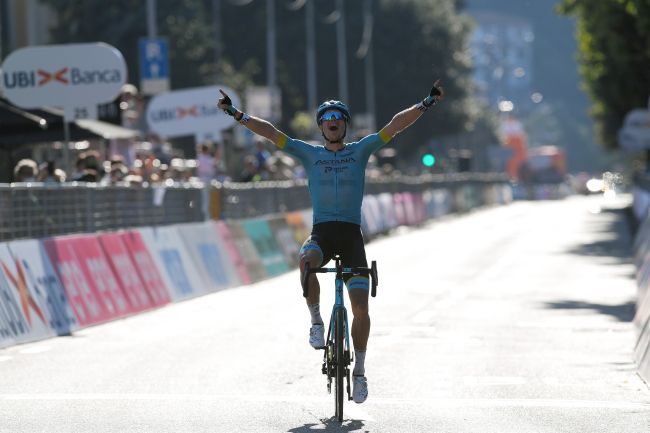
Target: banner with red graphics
[(28, 270), (97, 270), (146, 268), (190, 112), (20, 318), (125, 271), (83, 297)]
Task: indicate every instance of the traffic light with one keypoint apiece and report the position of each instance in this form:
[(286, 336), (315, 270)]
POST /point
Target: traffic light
[(428, 160)]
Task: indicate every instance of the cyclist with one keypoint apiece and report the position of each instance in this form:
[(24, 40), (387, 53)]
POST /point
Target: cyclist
[(336, 173)]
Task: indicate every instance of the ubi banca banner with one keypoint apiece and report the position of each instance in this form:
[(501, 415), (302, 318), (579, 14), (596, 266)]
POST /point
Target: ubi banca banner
[(190, 112), (72, 75)]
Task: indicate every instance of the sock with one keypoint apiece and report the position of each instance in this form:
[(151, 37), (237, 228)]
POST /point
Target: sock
[(314, 310), (359, 368)]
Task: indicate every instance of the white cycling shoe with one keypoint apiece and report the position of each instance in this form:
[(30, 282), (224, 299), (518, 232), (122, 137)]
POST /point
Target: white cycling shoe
[(359, 389), (317, 336)]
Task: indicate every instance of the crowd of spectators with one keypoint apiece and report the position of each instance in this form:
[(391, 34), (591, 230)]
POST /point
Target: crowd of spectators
[(155, 166)]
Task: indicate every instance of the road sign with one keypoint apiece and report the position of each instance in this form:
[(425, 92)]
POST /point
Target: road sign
[(154, 65)]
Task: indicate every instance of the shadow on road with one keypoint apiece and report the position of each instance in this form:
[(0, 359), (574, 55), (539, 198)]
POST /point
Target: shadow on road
[(623, 312), (331, 425), (617, 230)]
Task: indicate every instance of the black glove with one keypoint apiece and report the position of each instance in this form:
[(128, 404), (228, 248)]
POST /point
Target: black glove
[(230, 110), (435, 91), (434, 95)]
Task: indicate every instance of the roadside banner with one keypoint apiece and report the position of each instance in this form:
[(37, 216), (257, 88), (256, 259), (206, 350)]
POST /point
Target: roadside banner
[(285, 237), (437, 202), (231, 249), (125, 272), (97, 270), (300, 230), (207, 252), (259, 231), (370, 220), (308, 219), (14, 328), (173, 262), (85, 300), (249, 254), (33, 276), (146, 268), (387, 210), (36, 322)]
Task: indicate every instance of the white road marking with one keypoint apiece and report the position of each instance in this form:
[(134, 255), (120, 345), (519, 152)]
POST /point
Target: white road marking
[(379, 401)]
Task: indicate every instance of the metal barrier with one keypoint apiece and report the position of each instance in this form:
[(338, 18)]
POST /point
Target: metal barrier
[(246, 200), (32, 211), (37, 211)]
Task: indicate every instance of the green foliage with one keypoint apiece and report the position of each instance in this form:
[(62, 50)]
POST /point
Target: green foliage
[(614, 55)]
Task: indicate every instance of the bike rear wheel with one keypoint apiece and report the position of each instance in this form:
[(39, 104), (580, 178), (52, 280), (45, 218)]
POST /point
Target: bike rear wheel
[(339, 342)]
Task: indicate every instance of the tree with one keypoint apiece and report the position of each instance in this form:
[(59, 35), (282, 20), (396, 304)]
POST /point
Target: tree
[(613, 40)]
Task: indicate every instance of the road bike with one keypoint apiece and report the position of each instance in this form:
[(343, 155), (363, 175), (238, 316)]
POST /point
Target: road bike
[(338, 356)]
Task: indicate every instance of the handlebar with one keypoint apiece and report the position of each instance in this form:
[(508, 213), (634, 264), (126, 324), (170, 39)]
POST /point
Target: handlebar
[(340, 270)]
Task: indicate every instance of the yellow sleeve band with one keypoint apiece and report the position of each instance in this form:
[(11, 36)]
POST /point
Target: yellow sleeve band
[(385, 137), (282, 141)]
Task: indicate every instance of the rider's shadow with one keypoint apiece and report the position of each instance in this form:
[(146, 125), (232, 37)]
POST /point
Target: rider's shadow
[(331, 425)]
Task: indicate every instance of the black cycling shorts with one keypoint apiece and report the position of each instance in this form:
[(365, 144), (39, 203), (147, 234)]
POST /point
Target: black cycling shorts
[(336, 237)]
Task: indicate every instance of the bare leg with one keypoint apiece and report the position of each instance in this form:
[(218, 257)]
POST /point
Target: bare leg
[(361, 320), (313, 257)]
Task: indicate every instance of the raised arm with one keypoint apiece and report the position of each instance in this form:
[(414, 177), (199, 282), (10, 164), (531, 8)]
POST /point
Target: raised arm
[(255, 124), (406, 118)]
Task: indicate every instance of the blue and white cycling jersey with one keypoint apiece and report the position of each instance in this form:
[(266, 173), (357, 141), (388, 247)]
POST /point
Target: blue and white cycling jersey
[(336, 179)]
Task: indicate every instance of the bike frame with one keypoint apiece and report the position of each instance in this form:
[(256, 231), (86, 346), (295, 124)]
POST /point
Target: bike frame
[(339, 301)]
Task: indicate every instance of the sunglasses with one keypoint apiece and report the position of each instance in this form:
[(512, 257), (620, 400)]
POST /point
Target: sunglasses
[(332, 115)]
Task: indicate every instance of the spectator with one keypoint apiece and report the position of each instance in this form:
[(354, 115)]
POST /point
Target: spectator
[(206, 164), (221, 172), (250, 172), (118, 173), (262, 157), (26, 170), (49, 174), (89, 167)]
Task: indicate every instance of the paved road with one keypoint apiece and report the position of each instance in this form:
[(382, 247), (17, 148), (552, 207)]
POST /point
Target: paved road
[(512, 319)]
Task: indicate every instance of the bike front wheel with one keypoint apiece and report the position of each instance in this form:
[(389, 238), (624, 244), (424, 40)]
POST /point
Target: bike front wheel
[(339, 344)]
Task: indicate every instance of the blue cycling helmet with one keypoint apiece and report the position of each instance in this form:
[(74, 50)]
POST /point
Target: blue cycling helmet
[(333, 105)]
